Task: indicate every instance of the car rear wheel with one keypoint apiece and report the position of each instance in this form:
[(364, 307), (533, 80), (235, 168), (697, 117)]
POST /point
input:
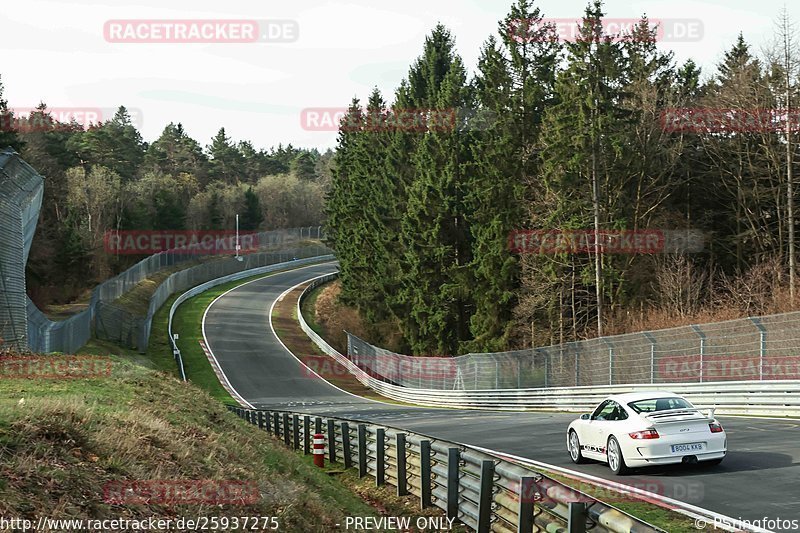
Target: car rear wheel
[(615, 459), (574, 446)]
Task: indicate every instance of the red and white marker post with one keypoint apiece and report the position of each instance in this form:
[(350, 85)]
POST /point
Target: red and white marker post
[(319, 449)]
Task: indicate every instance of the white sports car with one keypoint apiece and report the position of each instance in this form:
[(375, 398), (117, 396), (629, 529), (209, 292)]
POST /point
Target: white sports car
[(646, 428)]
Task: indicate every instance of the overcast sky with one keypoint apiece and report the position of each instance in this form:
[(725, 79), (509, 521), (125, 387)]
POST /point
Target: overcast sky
[(57, 52)]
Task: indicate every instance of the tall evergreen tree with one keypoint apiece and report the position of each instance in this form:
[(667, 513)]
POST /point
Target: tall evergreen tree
[(583, 137), (8, 130), (226, 161), (252, 217), (175, 152), (434, 230), (115, 144)]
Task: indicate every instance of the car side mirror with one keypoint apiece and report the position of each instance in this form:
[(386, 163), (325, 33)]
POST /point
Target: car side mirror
[(586, 416)]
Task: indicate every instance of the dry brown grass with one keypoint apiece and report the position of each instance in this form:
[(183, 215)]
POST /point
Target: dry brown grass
[(336, 318), (69, 438)]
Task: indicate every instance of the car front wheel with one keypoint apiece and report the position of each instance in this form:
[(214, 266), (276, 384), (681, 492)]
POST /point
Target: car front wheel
[(574, 446), (615, 459)]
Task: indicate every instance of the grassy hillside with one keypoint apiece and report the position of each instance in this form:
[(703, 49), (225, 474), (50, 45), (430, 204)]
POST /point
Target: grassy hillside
[(63, 440)]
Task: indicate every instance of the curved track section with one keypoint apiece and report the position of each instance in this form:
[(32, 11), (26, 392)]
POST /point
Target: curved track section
[(758, 478)]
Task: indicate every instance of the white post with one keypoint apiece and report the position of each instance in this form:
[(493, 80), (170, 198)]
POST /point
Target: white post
[(237, 238)]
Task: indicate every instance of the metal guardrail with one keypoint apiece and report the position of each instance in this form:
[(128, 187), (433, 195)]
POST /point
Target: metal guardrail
[(118, 324), (771, 398), (482, 491), (191, 293)]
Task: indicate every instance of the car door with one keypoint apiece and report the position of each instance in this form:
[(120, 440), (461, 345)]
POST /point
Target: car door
[(592, 437), (605, 423)]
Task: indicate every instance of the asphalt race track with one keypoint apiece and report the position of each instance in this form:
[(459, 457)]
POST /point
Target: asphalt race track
[(759, 478)]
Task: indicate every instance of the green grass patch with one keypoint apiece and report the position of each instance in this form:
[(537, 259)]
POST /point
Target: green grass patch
[(188, 323), (658, 516), (69, 438), (308, 307)]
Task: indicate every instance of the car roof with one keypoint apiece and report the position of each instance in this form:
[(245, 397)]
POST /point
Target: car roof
[(645, 395)]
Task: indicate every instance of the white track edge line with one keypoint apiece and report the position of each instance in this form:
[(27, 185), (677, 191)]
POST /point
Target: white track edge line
[(287, 291), (203, 325)]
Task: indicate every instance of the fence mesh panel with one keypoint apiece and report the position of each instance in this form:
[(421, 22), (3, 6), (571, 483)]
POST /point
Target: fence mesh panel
[(21, 189), (757, 348)]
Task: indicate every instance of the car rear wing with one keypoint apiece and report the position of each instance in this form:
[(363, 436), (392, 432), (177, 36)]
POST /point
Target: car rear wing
[(664, 415)]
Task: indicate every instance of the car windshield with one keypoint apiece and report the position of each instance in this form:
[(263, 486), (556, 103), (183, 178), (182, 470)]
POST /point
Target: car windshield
[(659, 404)]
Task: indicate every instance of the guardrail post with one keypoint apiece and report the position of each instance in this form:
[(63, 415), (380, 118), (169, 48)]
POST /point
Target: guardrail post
[(380, 456), (260, 416), (348, 458), (276, 422), (402, 482), (453, 463), (318, 425), (702, 336), (286, 428), (652, 341), (332, 440), (577, 517), (762, 340), (296, 431), (306, 435), (425, 499), (485, 497), (267, 420), (362, 450), (527, 490)]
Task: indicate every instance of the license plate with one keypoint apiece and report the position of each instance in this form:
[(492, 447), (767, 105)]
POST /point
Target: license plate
[(694, 447)]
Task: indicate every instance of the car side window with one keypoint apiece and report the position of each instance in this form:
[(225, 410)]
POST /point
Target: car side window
[(603, 410), (618, 413), (610, 411)]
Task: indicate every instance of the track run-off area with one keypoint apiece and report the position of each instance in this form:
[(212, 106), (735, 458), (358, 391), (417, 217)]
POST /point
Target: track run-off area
[(759, 478)]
